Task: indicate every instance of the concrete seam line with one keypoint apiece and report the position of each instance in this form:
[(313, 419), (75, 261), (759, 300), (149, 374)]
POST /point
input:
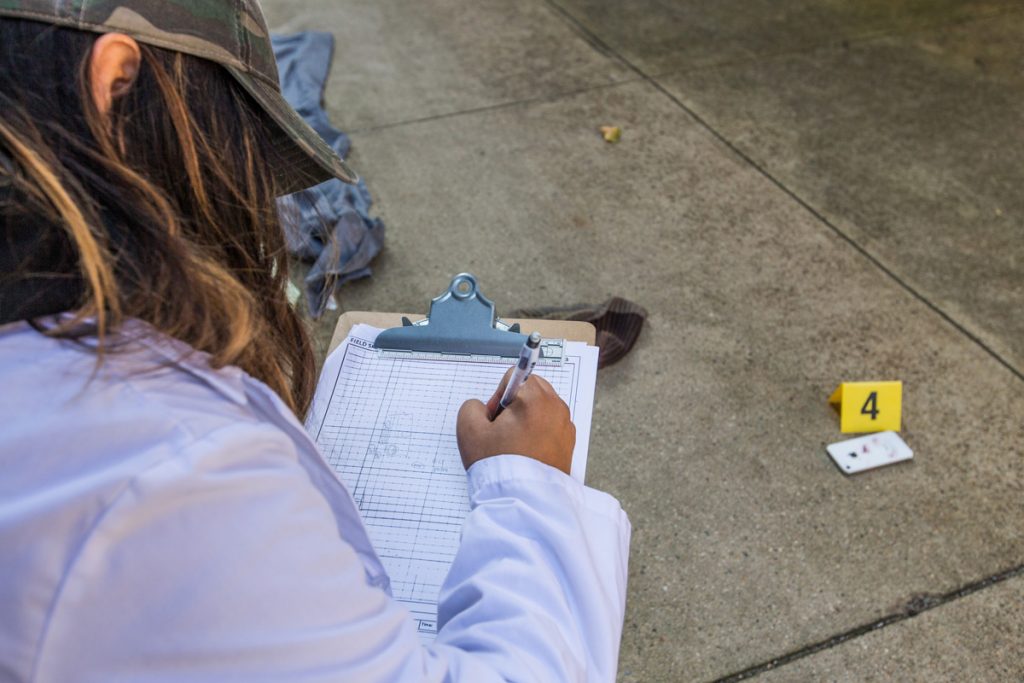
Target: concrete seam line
[(595, 40), (806, 205), (915, 606), (491, 107)]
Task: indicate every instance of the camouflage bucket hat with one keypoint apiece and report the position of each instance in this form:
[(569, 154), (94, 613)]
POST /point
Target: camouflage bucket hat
[(232, 33)]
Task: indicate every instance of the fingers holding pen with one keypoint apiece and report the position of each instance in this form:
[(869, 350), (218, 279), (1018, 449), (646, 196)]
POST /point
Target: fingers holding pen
[(536, 425), (492, 403), (537, 385), (528, 357)]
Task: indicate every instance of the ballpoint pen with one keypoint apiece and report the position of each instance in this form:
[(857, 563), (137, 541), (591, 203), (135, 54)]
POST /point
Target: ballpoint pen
[(527, 359)]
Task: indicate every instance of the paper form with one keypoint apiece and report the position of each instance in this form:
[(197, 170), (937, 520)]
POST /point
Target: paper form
[(386, 424)]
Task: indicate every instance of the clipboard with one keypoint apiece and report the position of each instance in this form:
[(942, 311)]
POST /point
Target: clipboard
[(384, 419), (474, 316)]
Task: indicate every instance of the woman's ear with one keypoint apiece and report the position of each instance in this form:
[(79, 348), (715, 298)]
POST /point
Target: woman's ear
[(113, 66)]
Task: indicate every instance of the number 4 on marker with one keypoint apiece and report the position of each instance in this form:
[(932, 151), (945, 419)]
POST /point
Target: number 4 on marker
[(869, 406)]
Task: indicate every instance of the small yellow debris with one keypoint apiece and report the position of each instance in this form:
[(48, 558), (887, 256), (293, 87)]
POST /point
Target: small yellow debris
[(611, 133)]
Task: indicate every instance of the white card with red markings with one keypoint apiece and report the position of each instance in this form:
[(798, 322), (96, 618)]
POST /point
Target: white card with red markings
[(869, 451)]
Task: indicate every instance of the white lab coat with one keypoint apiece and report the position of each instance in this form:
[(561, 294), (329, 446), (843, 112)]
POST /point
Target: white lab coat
[(164, 521)]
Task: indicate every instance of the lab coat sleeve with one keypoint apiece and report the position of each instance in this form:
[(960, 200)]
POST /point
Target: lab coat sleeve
[(225, 563), (537, 590)]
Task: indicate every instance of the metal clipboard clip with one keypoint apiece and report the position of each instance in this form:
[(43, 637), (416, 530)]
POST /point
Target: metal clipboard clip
[(462, 322)]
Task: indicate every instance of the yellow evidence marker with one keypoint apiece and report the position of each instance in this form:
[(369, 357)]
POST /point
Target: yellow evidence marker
[(869, 406)]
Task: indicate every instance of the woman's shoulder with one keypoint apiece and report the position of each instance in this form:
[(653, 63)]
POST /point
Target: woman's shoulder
[(77, 434), (106, 456), (148, 400)]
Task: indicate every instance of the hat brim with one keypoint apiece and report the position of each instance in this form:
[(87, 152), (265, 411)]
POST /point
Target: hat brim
[(303, 158)]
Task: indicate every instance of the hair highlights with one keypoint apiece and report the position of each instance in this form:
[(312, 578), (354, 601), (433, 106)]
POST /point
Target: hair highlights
[(167, 202)]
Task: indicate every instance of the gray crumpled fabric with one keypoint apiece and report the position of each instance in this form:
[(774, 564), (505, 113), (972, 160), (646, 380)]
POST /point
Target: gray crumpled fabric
[(328, 225)]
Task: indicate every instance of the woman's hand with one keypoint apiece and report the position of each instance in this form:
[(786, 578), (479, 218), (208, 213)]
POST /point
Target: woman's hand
[(536, 424)]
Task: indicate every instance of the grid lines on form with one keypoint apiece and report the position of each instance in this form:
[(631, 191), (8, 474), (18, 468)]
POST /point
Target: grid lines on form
[(389, 432)]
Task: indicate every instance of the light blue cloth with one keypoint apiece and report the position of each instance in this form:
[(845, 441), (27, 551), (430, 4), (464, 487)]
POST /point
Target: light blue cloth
[(164, 521), (333, 210)]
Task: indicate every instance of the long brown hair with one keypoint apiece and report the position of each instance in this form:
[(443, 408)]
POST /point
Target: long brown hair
[(167, 204)]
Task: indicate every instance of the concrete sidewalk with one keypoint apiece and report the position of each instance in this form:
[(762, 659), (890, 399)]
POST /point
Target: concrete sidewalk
[(804, 193)]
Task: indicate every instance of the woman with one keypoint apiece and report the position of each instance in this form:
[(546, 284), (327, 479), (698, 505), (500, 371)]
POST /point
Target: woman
[(163, 515)]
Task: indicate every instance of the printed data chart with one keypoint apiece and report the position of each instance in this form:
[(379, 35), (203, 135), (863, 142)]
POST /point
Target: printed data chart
[(388, 429)]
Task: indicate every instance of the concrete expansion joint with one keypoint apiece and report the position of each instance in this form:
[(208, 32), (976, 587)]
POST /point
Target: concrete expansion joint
[(594, 40), (850, 241), (918, 604), (492, 107)]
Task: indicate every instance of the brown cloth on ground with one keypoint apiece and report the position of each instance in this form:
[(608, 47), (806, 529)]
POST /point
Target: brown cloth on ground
[(617, 320)]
